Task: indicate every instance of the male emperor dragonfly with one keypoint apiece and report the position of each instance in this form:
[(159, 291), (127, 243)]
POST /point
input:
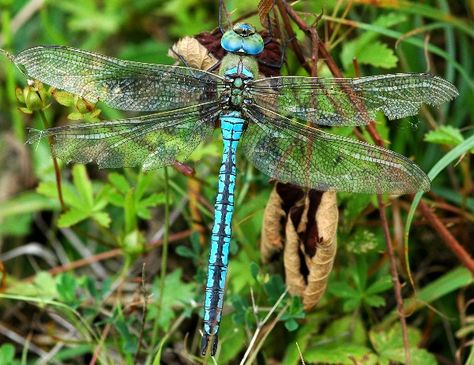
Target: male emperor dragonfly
[(275, 117)]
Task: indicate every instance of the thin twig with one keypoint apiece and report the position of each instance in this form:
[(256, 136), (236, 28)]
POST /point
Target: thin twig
[(260, 325), (395, 280)]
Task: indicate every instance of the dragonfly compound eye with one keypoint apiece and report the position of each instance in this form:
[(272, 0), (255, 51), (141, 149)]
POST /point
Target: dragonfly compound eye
[(243, 39), (244, 29)]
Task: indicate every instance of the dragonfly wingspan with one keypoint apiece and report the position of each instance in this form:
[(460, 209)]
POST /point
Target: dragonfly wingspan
[(350, 102), (293, 152), (124, 85), (150, 141)]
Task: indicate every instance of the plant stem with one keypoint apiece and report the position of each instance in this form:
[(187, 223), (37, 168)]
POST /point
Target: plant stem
[(164, 257), (55, 163), (395, 280)]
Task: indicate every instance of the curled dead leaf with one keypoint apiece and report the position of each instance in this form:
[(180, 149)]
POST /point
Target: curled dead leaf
[(193, 52), (303, 224)]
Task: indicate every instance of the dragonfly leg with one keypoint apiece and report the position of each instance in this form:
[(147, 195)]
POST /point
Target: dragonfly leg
[(282, 57)]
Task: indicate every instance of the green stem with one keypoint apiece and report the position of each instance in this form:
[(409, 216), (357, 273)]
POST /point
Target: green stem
[(164, 257), (55, 163)]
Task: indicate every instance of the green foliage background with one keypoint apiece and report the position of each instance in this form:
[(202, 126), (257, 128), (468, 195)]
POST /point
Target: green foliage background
[(89, 307)]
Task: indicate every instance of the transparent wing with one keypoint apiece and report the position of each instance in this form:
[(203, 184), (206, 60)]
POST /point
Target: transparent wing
[(293, 152), (124, 85), (350, 102), (151, 141)]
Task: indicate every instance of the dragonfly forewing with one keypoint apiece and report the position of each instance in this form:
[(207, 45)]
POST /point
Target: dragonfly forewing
[(149, 142), (124, 85), (350, 102), (292, 152)]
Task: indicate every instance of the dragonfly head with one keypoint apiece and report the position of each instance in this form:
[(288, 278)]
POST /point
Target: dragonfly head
[(242, 38)]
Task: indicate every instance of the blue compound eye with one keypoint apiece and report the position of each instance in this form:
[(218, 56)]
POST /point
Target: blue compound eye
[(242, 38)]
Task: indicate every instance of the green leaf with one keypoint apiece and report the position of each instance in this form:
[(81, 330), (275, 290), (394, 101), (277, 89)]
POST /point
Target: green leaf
[(382, 284), (184, 251), (291, 325), (340, 354), (130, 213), (75, 116), (343, 290), (351, 304), (378, 54), (83, 185), (367, 49), (374, 300), (66, 286), (102, 218), (119, 182), (7, 354), (72, 217), (348, 329), (129, 341), (50, 190), (43, 287), (176, 294), (446, 135), (389, 345), (63, 97), (254, 269)]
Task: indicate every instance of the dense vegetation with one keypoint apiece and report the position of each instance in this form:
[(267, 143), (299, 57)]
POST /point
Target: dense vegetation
[(115, 274)]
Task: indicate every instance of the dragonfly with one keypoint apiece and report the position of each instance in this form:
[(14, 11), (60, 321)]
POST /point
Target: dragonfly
[(274, 120)]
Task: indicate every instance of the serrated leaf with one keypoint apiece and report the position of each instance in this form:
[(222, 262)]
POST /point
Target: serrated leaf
[(377, 54), (177, 294), (72, 217), (102, 218), (365, 47), (446, 135), (384, 340)]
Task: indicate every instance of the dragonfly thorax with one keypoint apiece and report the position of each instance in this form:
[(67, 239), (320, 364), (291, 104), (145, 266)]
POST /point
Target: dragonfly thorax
[(236, 93)]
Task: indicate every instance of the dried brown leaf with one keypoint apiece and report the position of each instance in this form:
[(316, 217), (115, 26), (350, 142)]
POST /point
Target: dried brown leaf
[(322, 262), (272, 240), (304, 224), (264, 7), (193, 52)]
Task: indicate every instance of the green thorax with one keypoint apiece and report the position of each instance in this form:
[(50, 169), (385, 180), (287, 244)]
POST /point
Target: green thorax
[(232, 60)]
